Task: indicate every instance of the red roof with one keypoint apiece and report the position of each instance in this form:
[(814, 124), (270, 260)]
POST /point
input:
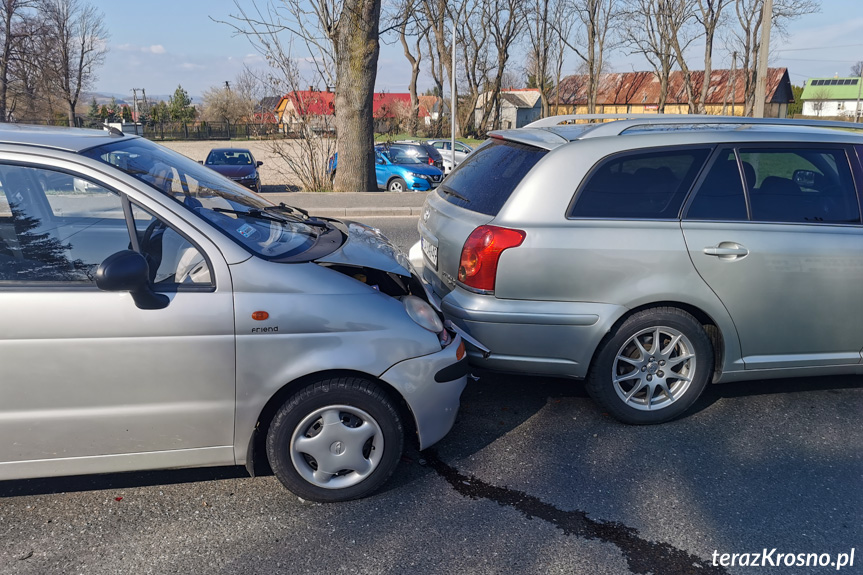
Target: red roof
[(643, 88), (384, 104), (312, 103)]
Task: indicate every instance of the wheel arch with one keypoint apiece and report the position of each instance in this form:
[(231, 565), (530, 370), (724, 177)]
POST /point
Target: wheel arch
[(710, 325), (256, 452)]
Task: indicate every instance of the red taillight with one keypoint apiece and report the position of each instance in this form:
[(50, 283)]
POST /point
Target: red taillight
[(481, 252), (431, 161)]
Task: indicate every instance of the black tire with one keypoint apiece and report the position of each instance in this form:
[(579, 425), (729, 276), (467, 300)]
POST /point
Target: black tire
[(353, 398), (619, 357), (397, 185)]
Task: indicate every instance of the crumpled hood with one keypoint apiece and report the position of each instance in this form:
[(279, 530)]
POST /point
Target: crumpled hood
[(367, 247)]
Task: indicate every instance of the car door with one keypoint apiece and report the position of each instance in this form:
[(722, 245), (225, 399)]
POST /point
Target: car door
[(775, 232), (92, 383), (382, 170)]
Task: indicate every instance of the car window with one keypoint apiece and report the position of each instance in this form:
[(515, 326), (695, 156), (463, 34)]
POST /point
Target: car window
[(800, 185), (234, 210), (486, 179), (55, 227), (172, 259), (720, 195), (639, 185)]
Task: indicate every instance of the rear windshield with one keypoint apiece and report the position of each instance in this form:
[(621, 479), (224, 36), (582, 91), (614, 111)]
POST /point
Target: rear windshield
[(484, 181)]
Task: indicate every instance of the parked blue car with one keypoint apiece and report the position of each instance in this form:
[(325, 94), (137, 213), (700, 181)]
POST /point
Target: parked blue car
[(398, 170)]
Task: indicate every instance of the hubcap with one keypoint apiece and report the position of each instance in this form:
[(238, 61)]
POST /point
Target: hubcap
[(396, 187), (336, 446), (654, 368)]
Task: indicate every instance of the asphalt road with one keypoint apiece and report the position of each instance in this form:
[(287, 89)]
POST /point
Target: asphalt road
[(534, 478)]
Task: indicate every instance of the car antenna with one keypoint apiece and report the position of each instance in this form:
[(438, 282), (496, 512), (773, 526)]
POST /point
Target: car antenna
[(113, 130)]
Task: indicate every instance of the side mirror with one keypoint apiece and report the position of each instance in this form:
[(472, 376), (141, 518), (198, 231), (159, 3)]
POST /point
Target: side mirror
[(201, 162), (128, 271), (259, 164)]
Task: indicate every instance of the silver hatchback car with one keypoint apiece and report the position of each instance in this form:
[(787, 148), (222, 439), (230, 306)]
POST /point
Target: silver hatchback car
[(654, 255), (158, 315)]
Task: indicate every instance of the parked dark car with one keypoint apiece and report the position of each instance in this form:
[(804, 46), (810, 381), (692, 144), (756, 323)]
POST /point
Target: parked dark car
[(426, 153), (237, 164)]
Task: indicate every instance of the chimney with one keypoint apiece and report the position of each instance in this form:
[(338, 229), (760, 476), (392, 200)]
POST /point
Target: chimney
[(311, 88)]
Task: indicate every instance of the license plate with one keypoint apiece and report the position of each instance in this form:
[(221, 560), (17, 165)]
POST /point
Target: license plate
[(430, 251)]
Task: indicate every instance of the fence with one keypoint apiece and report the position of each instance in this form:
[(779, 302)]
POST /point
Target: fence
[(184, 131)]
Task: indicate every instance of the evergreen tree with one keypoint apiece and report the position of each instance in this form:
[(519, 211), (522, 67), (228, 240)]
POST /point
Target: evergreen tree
[(180, 106), (94, 117)]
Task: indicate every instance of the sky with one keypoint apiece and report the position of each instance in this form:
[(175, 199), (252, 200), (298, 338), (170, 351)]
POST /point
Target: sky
[(161, 44)]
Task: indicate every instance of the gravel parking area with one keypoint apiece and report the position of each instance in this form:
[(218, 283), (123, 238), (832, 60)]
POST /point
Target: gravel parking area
[(275, 176)]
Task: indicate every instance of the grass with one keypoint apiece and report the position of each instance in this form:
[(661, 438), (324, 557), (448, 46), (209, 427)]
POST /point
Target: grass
[(393, 137)]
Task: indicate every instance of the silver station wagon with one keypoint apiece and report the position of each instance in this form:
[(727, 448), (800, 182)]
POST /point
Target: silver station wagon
[(156, 315), (653, 255)]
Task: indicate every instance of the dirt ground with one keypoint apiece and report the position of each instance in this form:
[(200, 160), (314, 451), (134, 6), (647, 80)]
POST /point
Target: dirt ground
[(275, 176)]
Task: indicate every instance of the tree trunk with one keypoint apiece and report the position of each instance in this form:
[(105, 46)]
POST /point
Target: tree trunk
[(356, 66)]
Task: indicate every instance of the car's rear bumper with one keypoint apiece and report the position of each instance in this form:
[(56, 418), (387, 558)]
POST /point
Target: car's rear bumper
[(431, 385), (541, 337)]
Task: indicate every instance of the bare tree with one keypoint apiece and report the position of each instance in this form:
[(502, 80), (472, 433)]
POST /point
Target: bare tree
[(541, 36), (677, 18), (709, 16), (747, 36), (223, 104), (78, 47), (505, 19), (411, 25), (647, 34), (857, 68), (597, 18), (438, 14), (18, 25), (476, 61), (342, 37)]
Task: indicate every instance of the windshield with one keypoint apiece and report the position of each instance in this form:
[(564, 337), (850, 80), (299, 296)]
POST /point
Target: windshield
[(246, 218), (402, 157), (229, 158)]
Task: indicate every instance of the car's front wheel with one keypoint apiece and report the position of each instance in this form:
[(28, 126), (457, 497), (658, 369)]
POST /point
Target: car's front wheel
[(653, 367), (397, 185), (335, 440)]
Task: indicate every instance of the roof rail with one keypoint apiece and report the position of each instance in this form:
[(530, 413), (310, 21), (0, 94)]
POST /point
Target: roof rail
[(623, 122)]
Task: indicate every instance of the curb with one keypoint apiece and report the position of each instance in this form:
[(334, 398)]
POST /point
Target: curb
[(364, 212)]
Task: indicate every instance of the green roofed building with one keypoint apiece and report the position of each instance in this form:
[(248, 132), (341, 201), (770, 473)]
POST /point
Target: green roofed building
[(831, 97)]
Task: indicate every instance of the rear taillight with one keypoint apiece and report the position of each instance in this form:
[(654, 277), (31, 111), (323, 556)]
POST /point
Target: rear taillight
[(481, 252), (431, 161)]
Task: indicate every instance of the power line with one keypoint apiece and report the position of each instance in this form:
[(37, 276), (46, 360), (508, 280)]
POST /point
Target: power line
[(816, 48)]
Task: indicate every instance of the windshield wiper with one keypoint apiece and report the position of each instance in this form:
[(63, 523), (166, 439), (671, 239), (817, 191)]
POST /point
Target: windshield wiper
[(450, 192), (291, 209), (253, 212)]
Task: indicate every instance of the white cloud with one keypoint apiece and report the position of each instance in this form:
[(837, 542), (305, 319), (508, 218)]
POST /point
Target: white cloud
[(156, 49)]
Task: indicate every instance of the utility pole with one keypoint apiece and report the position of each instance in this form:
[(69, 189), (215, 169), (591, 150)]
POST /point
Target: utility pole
[(859, 91), (454, 104), (135, 108), (764, 47), (734, 81)]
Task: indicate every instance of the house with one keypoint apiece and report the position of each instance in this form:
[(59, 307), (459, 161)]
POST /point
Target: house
[(517, 108), (832, 97), (311, 108), (316, 108), (638, 92), (265, 110)]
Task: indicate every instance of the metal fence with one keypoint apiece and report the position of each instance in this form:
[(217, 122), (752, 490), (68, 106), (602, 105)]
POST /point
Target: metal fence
[(184, 131)]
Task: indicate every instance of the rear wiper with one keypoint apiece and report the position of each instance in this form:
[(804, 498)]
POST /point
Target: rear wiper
[(450, 192)]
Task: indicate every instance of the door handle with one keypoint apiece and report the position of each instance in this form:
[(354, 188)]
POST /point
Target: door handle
[(727, 251)]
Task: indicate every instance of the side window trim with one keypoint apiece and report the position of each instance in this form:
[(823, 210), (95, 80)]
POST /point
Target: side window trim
[(845, 149), (634, 152), (718, 153), (175, 287)]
